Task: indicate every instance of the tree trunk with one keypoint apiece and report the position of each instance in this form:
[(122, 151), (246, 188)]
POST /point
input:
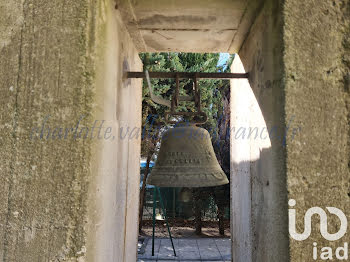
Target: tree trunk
[(221, 210), (221, 202), (221, 194), (197, 211)]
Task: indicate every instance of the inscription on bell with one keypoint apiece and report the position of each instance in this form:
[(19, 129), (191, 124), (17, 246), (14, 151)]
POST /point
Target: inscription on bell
[(186, 162), (183, 161), (173, 154), (183, 158)]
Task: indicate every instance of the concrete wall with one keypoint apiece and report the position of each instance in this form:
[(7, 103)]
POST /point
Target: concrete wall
[(259, 196), (297, 53), (317, 66), (67, 199), (115, 191)]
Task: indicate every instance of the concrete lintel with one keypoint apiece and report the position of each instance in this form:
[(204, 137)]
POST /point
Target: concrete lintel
[(188, 26), (251, 12), (128, 15), (187, 41)]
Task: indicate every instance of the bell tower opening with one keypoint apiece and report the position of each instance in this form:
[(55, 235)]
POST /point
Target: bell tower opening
[(187, 158)]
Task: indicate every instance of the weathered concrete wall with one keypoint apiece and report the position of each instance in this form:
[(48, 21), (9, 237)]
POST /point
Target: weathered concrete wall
[(66, 199), (117, 185), (46, 71), (259, 195), (249, 144), (298, 59), (317, 64)]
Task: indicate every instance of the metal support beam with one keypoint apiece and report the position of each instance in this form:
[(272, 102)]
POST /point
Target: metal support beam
[(187, 75)]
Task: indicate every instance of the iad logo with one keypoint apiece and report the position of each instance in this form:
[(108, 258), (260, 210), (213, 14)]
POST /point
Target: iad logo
[(323, 225), (326, 251)]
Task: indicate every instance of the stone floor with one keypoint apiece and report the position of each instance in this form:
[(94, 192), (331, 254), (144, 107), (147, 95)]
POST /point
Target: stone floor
[(200, 249)]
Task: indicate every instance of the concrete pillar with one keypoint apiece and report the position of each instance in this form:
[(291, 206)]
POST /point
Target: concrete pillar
[(259, 197), (67, 197), (317, 67), (297, 53)]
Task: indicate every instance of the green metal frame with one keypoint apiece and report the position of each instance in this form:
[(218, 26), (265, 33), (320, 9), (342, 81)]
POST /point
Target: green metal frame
[(155, 190)]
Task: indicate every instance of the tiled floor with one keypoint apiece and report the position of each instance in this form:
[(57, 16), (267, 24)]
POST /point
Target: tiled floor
[(201, 249)]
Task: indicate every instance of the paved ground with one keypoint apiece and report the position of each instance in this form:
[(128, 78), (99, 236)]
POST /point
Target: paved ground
[(200, 249)]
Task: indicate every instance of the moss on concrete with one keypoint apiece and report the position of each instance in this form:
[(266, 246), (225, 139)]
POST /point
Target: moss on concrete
[(46, 71)]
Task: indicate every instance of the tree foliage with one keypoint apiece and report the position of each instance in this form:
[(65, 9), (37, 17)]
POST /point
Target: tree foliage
[(211, 90)]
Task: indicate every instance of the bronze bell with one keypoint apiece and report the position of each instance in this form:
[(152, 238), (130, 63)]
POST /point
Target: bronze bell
[(186, 159)]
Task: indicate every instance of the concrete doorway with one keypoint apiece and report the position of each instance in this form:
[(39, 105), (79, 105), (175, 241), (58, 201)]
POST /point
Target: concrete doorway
[(196, 234), (257, 201)]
